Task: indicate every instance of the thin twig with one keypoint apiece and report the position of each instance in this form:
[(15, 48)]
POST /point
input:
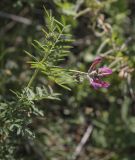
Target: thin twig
[(82, 142), (16, 18), (11, 24), (101, 47), (79, 72), (78, 4), (83, 12), (130, 87)]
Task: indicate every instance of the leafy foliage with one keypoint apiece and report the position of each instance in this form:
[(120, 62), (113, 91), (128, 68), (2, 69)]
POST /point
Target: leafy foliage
[(35, 123), (17, 115)]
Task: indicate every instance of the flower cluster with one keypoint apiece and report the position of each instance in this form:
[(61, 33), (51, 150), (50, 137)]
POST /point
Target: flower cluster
[(95, 74)]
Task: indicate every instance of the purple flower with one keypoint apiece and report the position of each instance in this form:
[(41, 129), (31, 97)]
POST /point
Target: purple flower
[(94, 64), (104, 71), (95, 74), (97, 83)]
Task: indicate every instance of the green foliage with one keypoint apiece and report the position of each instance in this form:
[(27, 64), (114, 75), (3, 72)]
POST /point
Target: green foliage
[(51, 51), (39, 123), (17, 115)]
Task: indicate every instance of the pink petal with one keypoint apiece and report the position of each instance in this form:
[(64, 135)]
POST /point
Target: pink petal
[(104, 71), (95, 62), (97, 83), (105, 84)]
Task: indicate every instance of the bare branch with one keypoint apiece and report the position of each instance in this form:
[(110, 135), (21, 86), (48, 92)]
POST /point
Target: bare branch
[(83, 142), (16, 18)]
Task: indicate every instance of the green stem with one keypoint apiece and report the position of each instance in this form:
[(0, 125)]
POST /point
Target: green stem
[(44, 58), (32, 78), (80, 72)]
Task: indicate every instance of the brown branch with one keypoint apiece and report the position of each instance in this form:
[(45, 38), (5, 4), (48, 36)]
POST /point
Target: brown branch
[(11, 24), (16, 18), (83, 142)]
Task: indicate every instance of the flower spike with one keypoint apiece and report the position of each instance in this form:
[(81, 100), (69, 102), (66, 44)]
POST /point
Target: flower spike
[(95, 75), (95, 63)]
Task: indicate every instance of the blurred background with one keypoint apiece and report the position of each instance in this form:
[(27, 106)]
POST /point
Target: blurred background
[(86, 124)]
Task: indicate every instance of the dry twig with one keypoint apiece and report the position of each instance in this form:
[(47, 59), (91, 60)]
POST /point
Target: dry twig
[(82, 142), (15, 18)]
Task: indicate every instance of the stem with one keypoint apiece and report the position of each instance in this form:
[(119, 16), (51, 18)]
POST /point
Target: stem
[(44, 58), (82, 12), (101, 47), (32, 78), (75, 71)]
